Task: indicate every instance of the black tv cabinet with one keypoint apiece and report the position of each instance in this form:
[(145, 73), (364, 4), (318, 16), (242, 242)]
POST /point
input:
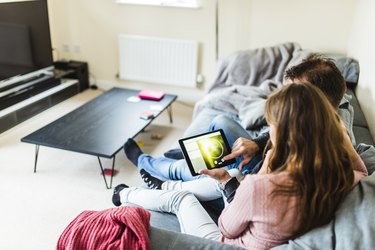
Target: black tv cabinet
[(21, 111), (23, 90)]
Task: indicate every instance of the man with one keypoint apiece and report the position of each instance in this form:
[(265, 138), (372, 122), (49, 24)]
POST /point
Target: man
[(323, 73)]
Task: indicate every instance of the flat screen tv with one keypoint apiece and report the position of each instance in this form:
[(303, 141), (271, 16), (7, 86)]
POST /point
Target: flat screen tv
[(25, 42)]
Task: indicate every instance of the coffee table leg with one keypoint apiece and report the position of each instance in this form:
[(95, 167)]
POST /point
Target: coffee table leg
[(36, 156), (169, 109), (113, 168)]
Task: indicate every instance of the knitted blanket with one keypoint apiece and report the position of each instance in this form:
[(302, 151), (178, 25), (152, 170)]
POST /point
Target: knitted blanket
[(124, 227)]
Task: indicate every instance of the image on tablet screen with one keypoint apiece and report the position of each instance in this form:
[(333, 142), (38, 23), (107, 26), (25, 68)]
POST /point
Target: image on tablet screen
[(206, 151)]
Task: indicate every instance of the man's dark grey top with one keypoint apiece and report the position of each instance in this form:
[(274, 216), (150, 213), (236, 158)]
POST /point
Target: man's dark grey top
[(101, 126)]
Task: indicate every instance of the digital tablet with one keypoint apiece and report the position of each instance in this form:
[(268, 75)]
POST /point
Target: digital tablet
[(206, 151)]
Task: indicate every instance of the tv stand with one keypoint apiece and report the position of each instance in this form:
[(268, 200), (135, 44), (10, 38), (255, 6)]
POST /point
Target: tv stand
[(41, 99), (22, 90)]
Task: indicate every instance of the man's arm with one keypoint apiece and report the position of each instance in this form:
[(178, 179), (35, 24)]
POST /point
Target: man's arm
[(262, 140), (346, 113), (229, 189), (247, 148)]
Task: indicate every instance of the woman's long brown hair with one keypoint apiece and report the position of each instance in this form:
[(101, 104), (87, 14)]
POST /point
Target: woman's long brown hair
[(310, 147)]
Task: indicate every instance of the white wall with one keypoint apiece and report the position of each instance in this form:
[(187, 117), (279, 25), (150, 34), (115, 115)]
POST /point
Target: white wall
[(361, 46), (94, 25), (234, 26), (318, 25)]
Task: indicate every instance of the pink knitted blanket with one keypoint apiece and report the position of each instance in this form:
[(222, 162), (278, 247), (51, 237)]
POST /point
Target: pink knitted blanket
[(125, 227)]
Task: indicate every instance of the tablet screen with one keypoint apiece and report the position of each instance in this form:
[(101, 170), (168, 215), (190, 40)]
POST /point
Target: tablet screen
[(206, 151)]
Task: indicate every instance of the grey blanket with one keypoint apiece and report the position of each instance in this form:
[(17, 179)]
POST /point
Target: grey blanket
[(246, 78)]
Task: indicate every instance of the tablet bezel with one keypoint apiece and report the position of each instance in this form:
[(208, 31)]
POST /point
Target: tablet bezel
[(186, 155)]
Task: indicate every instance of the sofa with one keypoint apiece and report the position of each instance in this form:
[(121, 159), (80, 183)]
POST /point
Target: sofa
[(256, 73)]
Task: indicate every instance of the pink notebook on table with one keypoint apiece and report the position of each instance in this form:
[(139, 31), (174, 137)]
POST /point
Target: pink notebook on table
[(151, 95)]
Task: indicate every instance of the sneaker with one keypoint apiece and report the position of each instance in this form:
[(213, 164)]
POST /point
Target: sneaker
[(151, 181), (116, 200)]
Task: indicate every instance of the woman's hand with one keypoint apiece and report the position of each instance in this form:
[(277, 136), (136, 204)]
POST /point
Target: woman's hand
[(265, 167), (221, 175), (245, 148)]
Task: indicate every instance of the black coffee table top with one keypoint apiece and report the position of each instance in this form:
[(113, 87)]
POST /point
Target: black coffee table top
[(101, 126)]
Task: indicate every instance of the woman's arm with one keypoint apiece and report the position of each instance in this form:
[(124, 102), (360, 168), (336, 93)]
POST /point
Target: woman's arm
[(237, 216)]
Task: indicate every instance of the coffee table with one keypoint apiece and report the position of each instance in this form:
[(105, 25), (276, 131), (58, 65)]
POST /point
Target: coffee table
[(101, 126)]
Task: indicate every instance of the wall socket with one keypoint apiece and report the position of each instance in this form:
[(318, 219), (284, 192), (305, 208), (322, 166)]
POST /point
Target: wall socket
[(77, 49), (67, 48)]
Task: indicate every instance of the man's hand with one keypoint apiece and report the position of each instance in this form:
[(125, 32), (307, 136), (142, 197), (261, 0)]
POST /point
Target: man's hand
[(221, 175), (245, 148)]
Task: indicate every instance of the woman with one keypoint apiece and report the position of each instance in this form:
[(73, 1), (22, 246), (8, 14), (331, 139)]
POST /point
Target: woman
[(311, 168)]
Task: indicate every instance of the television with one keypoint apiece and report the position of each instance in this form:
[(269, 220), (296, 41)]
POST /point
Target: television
[(25, 42)]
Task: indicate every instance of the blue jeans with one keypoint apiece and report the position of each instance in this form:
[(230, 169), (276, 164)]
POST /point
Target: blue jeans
[(171, 169), (166, 168)]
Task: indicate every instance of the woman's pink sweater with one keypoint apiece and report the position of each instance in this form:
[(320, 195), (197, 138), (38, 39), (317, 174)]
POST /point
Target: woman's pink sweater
[(254, 220)]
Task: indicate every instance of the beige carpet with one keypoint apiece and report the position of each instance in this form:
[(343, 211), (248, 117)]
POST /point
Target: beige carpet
[(36, 207)]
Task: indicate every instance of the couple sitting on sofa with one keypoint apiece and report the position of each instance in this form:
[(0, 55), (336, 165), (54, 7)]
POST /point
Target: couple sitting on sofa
[(308, 170)]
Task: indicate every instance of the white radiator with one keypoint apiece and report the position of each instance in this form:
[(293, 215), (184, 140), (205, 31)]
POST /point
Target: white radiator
[(158, 60)]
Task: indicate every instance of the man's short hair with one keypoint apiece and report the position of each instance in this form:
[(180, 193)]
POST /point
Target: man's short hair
[(321, 72)]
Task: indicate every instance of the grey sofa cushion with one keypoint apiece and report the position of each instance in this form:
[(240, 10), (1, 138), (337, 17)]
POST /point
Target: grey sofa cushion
[(363, 135), (360, 126), (353, 227), (163, 239), (166, 221), (359, 117)]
